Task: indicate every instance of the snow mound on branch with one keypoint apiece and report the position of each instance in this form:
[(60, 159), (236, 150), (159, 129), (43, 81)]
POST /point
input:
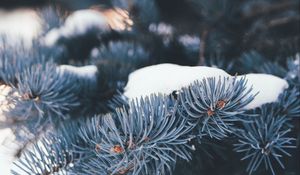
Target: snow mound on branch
[(7, 150), (19, 27), (78, 23), (89, 71), (269, 87), (166, 78), (7, 137)]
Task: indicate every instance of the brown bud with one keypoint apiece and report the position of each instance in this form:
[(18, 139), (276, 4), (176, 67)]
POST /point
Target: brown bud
[(117, 149), (28, 96), (221, 104), (210, 112), (97, 148)]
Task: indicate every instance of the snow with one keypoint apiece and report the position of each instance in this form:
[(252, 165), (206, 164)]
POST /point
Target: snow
[(4, 90), (165, 78), (189, 40), (8, 143), (161, 29), (268, 86), (6, 138), (294, 67), (76, 24), (297, 59), (19, 26), (89, 71), (6, 151)]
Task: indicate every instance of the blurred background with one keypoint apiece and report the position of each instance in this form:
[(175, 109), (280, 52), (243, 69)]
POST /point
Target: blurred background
[(172, 29)]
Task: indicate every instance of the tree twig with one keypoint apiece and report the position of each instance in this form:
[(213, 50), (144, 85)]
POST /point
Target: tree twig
[(202, 47)]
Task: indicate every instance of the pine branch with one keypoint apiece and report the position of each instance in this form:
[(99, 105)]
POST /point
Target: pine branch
[(154, 132), (47, 156), (214, 105), (152, 135), (151, 143), (289, 103), (265, 140), (41, 95)]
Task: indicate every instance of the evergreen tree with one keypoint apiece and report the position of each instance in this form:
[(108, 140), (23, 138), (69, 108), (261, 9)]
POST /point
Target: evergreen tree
[(92, 93)]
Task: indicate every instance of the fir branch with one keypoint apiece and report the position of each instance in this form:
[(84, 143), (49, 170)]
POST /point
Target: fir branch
[(41, 94), (289, 103), (125, 51), (264, 140), (48, 156), (16, 59), (293, 75), (151, 135), (213, 105), (146, 139)]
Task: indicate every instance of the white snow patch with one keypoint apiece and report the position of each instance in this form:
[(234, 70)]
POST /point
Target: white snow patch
[(165, 78), (189, 40), (76, 24), (294, 67), (7, 150), (269, 87), (297, 59), (161, 29), (19, 26), (6, 136), (89, 71), (4, 90)]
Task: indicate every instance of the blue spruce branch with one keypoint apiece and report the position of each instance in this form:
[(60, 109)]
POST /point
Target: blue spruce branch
[(214, 105), (264, 140)]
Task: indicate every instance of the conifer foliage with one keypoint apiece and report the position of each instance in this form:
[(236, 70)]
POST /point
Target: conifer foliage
[(64, 95)]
